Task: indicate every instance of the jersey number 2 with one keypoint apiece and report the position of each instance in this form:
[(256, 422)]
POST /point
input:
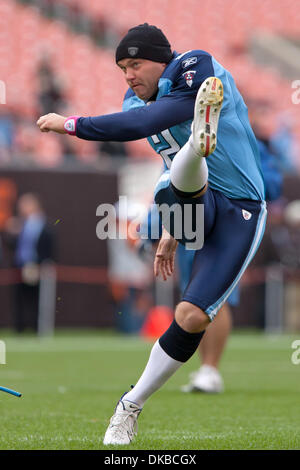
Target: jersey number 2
[(174, 147)]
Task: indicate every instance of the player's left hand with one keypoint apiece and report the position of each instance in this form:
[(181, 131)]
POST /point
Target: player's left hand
[(52, 122), (165, 256)]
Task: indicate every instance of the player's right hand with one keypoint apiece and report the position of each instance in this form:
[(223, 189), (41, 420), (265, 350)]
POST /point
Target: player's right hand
[(52, 122)]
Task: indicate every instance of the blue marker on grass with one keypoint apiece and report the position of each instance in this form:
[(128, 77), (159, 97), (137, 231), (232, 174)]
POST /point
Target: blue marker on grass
[(12, 392)]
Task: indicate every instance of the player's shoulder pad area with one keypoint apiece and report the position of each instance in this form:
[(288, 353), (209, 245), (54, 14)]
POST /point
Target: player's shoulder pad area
[(181, 63), (186, 72)]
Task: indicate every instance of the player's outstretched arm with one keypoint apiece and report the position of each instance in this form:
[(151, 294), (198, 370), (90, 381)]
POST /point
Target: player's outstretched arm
[(137, 123), (52, 122), (165, 256)]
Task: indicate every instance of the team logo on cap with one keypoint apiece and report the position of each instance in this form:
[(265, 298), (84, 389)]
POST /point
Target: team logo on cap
[(133, 51), (189, 77)]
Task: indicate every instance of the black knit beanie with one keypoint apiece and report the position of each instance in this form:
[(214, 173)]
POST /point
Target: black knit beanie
[(145, 42)]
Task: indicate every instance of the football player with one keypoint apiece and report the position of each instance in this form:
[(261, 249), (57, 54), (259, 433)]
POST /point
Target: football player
[(189, 108)]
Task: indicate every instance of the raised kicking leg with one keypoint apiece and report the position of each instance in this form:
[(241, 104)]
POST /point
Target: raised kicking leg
[(189, 171)]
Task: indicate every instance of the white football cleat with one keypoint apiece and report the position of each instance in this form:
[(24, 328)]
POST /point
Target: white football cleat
[(207, 379), (207, 110), (123, 424)]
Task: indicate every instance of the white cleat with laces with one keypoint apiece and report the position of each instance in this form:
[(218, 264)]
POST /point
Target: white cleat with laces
[(123, 424)]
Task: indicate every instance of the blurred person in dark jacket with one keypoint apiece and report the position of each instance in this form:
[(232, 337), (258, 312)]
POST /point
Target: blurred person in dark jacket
[(33, 242), (276, 139), (50, 86)]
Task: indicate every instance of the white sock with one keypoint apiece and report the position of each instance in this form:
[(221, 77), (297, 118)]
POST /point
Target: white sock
[(158, 370), (188, 172)]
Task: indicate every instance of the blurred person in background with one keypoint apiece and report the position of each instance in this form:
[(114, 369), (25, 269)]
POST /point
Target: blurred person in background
[(51, 96), (50, 88), (130, 278), (33, 242), (276, 140), (285, 234)]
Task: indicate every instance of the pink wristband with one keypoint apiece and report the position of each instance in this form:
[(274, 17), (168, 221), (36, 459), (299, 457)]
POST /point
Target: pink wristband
[(70, 125)]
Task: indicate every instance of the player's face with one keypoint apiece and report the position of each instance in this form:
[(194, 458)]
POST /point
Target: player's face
[(142, 75)]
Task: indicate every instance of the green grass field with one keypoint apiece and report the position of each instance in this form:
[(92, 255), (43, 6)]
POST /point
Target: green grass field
[(71, 383)]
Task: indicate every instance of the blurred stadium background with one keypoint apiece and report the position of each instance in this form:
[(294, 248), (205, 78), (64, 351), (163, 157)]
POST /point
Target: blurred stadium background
[(58, 56)]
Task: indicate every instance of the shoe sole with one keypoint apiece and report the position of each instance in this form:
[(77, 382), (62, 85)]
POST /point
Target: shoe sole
[(108, 440), (193, 389), (207, 110)]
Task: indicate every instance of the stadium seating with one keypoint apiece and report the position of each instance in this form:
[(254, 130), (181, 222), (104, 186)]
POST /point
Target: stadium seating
[(91, 82)]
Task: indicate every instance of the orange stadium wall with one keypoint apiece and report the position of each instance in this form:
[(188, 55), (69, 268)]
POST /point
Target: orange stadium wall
[(70, 200)]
